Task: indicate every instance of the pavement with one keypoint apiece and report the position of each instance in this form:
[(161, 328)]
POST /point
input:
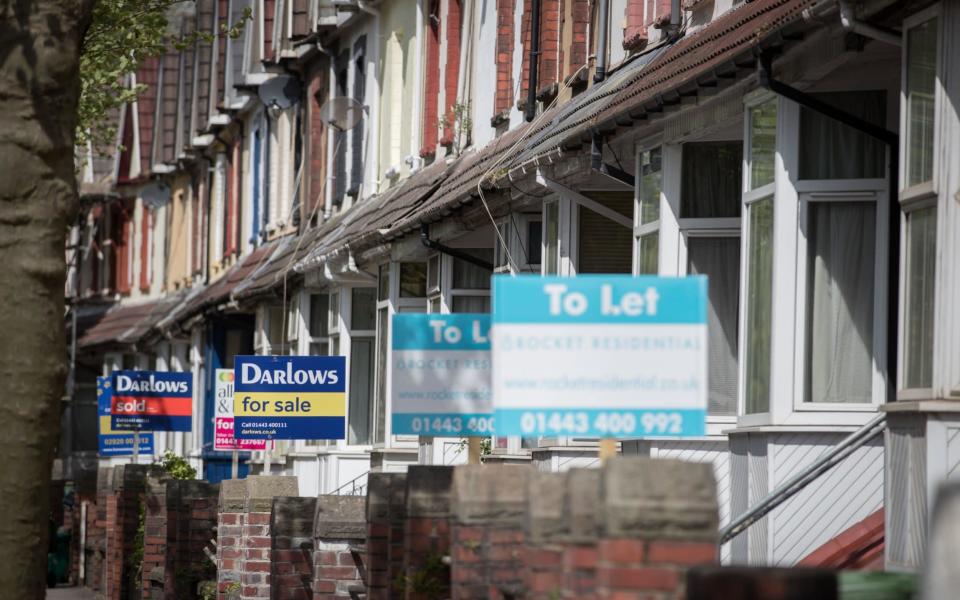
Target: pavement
[(69, 593)]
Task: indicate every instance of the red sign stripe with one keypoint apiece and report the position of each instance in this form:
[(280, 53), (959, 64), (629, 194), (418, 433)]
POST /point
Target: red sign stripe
[(171, 406)]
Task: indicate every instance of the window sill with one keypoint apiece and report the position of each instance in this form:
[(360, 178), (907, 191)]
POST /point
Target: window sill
[(919, 406)]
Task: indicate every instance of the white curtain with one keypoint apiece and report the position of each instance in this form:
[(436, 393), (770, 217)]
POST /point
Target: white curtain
[(361, 390), (840, 296), (719, 260), (831, 150)]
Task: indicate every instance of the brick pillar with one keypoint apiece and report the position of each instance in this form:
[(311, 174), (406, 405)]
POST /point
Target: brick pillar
[(159, 538), (291, 564), (581, 505), (487, 535), (545, 524), (95, 545), (427, 533), (398, 522), (380, 493), (660, 517), (121, 524), (180, 522), (255, 542), (339, 531), (233, 496)]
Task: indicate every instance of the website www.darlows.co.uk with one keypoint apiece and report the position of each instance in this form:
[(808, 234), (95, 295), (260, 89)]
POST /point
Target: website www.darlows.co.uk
[(262, 428)]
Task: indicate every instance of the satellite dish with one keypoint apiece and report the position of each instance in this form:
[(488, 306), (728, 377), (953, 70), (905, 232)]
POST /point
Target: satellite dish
[(342, 113), (280, 92), (155, 194)]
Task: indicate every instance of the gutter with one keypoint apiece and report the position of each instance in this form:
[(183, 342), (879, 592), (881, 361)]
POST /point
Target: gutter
[(848, 18), (444, 249)]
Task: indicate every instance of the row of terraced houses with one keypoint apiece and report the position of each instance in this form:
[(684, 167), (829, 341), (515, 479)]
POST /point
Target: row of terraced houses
[(288, 190)]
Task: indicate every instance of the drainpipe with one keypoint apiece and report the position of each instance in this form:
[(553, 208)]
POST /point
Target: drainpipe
[(848, 18), (444, 249), (603, 25), (892, 141), (531, 110), (676, 20)]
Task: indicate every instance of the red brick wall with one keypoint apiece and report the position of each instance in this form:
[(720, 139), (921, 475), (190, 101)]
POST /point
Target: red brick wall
[(337, 568), (504, 96), (292, 551), (451, 71), (431, 93), (145, 228), (580, 22), (316, 145), (635, 33), (384, 548)]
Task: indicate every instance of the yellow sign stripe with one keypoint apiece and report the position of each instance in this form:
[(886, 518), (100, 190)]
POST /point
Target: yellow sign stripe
[(289, 404), (105, 426)]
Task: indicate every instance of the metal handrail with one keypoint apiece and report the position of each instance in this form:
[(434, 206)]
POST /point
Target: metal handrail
[(789, 488), (355, 490)]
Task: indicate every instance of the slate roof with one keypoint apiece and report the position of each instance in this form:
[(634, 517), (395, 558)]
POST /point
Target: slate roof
[(128, 323)]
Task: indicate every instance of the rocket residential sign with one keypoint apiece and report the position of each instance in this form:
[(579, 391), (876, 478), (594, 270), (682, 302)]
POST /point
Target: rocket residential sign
[(110, 442), (223, 416), (600, 356), (290, 397), (152, 400), (441, 375)]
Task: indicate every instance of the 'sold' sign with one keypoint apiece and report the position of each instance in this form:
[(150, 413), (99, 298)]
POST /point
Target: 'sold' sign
[(223, 438), (152, 400), (441, 375), (290, 397), (115, 443), (600, 356)]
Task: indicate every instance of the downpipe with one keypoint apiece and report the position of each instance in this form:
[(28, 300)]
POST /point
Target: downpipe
[(848, 18)]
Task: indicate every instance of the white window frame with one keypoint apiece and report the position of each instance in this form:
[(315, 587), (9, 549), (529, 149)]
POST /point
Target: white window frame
[(642, 230), (566, 236), (726, 227), (930, 188), (514, 228), (918, 197), (750, 197)]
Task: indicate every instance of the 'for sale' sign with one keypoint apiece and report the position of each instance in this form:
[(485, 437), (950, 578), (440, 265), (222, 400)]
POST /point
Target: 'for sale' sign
[(290, 397), (152, 400), (223, 438)]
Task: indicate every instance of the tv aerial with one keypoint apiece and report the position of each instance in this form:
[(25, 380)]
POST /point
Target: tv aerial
[(279, 92), (342, 112)]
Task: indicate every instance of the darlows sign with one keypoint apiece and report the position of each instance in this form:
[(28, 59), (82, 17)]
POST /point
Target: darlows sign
[(600, 356), (152, 400), (115, 443), (290, 397), (441, 375)]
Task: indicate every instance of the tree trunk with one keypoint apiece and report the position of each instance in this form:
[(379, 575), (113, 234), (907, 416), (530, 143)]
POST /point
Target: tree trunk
[(40, 44)]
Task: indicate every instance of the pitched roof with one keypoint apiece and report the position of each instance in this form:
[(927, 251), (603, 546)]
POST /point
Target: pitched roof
[(127, 324)]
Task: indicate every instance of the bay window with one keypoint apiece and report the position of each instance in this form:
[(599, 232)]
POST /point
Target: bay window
[(918, 200), (710, 207), (757, 327), (647, 221)]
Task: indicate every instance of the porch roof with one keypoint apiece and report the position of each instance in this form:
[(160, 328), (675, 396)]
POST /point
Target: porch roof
[(128, 323)]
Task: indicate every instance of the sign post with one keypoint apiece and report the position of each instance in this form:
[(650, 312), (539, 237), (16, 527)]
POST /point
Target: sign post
[(441, 377), (603, 356), (110, 441), (289, 398)]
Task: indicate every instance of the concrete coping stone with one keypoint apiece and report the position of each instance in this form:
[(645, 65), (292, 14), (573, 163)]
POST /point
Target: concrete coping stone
[(104, 478), (262, 489), (340, 518), (292, 516), (545, 521), (493, 494), (134, 476), (581, 503), (380, 494), (428, 491), (659, 499), (233, 495)]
